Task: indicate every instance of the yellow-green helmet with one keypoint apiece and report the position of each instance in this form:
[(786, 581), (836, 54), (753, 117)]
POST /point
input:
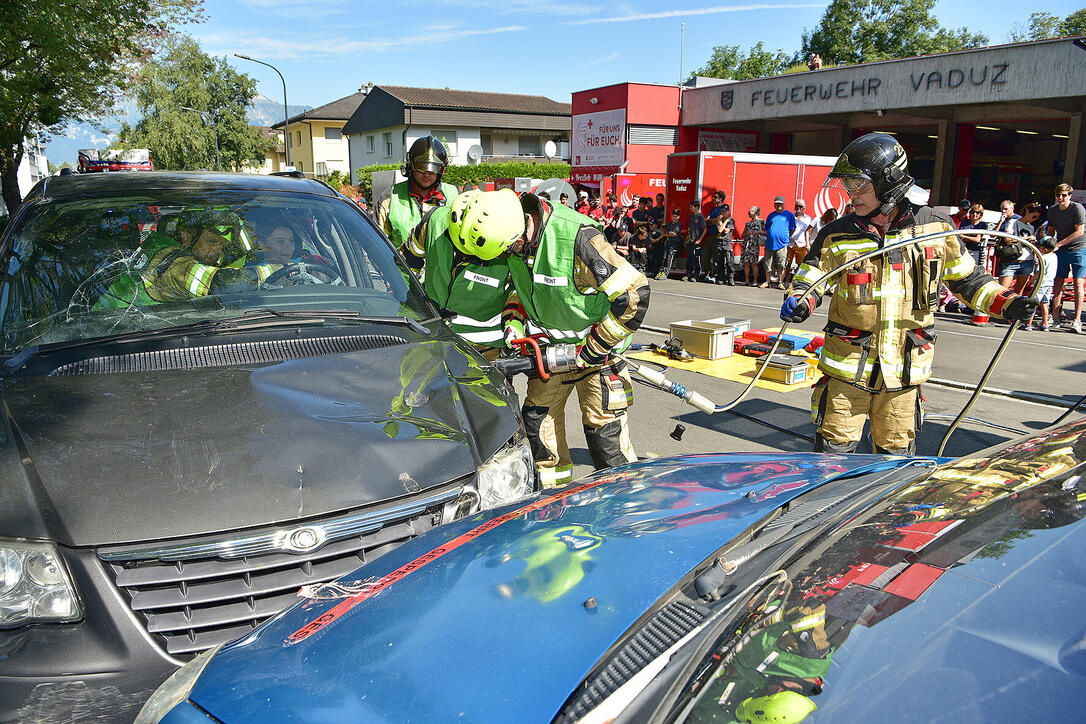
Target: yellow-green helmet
[(485, 224), (784, 707)]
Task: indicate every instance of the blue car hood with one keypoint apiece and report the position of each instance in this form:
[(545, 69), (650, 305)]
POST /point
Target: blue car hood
[(443, 627)]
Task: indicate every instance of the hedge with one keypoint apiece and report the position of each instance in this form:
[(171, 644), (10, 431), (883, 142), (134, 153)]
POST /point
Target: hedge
[(459, 175)]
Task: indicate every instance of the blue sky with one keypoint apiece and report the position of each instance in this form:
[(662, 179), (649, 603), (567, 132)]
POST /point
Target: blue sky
[(326, 49)]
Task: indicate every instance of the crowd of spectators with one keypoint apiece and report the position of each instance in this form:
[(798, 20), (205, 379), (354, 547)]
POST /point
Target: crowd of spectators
[(1056, 230), (652, 237)]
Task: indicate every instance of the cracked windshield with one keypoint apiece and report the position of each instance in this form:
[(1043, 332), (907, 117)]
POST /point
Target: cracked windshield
[(80, 269)]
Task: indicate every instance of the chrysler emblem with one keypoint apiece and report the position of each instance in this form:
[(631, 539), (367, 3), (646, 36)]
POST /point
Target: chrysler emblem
[(726, 97), (303, 540)]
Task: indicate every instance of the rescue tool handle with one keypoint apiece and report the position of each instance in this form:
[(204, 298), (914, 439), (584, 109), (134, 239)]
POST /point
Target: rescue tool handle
[(510, 367)]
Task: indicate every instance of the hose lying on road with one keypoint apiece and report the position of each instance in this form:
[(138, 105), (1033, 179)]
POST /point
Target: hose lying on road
[(696, 399)]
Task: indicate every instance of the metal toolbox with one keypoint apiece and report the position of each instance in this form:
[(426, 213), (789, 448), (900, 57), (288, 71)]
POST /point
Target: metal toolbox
[(789, 369), (707, 339), (740, 325)]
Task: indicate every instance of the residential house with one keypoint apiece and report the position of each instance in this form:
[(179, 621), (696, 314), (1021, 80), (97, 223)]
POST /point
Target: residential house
[(274, 160), (316, 142), (475, 126), (33, 167)]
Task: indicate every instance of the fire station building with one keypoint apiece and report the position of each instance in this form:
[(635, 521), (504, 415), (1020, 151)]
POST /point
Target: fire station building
[(985, 124)]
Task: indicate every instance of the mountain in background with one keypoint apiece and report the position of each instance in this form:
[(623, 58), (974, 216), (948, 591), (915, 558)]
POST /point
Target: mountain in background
[(64, 145), (265, 111)]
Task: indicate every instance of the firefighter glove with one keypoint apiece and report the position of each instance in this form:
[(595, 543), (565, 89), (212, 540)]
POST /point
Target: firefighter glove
[(795, 309), (514, 329), (1020, 309)]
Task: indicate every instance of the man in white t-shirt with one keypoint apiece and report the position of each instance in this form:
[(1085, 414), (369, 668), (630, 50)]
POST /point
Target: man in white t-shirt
[(800, 240)]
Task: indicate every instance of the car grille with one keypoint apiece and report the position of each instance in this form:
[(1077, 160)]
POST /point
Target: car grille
[(654, 637), (227, 355), (195, 594)]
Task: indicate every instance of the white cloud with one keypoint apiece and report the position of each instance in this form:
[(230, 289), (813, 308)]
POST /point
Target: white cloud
[(695, 11), (326, 47), (608, 59)]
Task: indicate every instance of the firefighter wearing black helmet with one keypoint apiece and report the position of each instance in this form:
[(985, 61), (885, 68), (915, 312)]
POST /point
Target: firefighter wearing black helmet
[(880, 339), (406, 204)]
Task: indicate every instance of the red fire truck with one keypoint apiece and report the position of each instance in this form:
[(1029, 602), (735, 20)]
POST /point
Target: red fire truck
[(749, 179), (114, 159)]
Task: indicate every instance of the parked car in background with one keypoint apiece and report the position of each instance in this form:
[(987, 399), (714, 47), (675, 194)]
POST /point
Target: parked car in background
[(216, 389), (753, 588)]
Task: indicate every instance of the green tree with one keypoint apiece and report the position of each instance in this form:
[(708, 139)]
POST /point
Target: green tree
[(729, 61), (182, 74), (1046, 25), (862, 31), (70, 60)]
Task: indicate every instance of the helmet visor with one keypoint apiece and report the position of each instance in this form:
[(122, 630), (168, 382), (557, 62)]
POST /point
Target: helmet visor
[(849, 186), (424, 164)]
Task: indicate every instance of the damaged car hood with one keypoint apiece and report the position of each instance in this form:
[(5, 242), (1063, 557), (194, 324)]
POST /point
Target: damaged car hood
[(116, 458)]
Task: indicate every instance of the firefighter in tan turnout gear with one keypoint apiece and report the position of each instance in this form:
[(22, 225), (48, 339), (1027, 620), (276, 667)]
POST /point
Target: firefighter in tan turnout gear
[(880, 339), (570, 283)]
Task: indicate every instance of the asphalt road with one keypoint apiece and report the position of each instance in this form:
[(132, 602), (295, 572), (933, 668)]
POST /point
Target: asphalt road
[(1038, 376)]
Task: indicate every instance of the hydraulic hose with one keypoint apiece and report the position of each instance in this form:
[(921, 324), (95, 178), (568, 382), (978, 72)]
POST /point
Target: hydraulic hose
[(695, 399)]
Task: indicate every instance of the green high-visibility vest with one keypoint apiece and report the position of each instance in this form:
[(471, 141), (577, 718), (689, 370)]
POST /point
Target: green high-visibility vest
[(475, 289), (404, 213), (545, 284)]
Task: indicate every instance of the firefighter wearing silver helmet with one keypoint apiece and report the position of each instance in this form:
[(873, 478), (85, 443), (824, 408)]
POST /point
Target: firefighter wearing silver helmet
[(400, 210), (573, 286), (880, 338)]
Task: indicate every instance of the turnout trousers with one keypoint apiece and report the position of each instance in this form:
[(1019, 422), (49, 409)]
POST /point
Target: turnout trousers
[(840, 409), (604, 395)]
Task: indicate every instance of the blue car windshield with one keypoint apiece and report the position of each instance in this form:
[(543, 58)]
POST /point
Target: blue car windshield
[(957, 598), (90, 267)]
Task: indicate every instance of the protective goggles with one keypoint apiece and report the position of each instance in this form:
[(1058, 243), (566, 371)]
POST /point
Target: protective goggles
[(850, 185), (427, 165)]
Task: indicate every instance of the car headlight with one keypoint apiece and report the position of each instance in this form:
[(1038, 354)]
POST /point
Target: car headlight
[(507, 476), (35, 585), (175, 689)]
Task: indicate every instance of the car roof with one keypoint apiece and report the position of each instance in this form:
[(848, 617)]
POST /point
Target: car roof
[(121, 182)]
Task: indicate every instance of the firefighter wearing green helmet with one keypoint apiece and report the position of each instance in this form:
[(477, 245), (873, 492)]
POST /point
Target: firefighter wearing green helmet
[(458, 279), (400, 210), (574, 287)]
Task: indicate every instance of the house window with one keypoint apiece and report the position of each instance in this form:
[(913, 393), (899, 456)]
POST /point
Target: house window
[(299, 137), (487, 142), (332, 134), (529, 146), (388, 144), (370, 144)]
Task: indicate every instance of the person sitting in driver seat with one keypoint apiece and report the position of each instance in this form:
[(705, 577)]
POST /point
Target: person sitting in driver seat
[(210, 258)]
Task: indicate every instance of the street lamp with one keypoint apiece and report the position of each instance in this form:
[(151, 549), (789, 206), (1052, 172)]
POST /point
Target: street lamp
[(207, 119), (286, 113)]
